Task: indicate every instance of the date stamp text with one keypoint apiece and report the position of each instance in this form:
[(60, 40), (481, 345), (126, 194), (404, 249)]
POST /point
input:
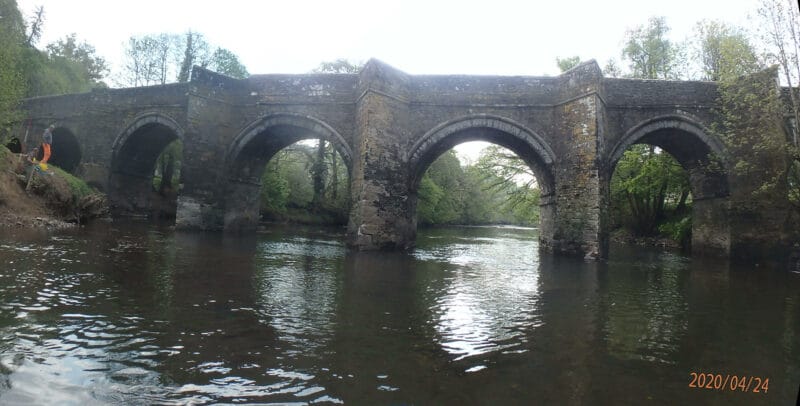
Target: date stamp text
[(728, 382)]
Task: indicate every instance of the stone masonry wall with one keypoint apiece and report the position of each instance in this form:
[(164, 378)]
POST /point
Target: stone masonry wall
[(379, 116)]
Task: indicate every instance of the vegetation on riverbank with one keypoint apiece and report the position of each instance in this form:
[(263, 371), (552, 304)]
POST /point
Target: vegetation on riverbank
[(51, 198)]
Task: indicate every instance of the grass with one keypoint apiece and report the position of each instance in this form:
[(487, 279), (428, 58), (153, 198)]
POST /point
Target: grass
[(79, 188), (4, 157)]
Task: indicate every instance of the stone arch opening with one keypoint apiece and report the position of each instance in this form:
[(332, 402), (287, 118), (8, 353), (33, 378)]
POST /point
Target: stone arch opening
[(526, 144), (14, 145), (252, 150), (133, 163), (66, 151), (702, 156)]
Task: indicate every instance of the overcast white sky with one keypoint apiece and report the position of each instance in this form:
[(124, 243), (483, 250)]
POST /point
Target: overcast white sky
[(497, 37), (503, 37)]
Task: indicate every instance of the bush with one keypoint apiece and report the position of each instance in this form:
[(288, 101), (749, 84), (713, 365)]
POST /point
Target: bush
[(679, 230)]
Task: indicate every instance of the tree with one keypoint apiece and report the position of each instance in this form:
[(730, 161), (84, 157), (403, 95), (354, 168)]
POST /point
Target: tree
[(287, 187), (478, 194), (149, 60), (81, 53), (445, 180), (612, 69), (648, 186), (168, 168), (196, 51), (779, 29), (724, 51), (36, 24), (12, 83), (319, 166), (649, 53), (506, 173), (568, 63), (227, 63), (159, 59)]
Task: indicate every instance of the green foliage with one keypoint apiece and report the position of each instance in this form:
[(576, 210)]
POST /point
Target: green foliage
[(794, 184), (274, 188), (428, 195), (499, 189), (66, 67), (5, 154), (79, 188), (158, 59), (568, 63), (446, 173), (650, 54), (506, 174), (750, 126), (195, 52), (167, 174), (724, 51), (227, 63), (48, 75), (12, 84), (93, 66), (287, 186), (648, 187), (679, 229)]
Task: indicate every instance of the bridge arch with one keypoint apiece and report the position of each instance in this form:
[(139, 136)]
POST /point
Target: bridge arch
[(251, 150), (133, 159), (692, 145), (703, 156), (66, 151), (502, 131), (271, 133)]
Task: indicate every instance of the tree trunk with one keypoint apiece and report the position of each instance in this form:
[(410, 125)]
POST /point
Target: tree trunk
[(318, 170), (334, 176), (682, 202), (166, 175)]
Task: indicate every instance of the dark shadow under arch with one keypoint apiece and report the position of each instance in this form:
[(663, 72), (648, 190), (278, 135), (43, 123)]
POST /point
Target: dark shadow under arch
[(691, 144), (253, 148), (702, 155), (259, 141), (14, 145), (134, 156), (66, 151)]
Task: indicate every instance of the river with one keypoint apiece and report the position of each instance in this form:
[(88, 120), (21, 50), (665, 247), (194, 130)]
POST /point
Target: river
[(137, 314)]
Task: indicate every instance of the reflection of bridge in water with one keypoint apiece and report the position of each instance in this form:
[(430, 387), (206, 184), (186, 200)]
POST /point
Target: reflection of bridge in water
[(389, 127)]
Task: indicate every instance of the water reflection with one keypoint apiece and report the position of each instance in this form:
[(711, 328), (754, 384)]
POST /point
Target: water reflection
[(646, 313), (141, 315), (484, 298), (297, 283)]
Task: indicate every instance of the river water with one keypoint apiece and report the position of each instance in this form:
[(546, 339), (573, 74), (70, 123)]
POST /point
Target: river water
[(135, 314)]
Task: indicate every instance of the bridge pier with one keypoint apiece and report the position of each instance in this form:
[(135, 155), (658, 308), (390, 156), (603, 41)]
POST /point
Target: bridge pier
[(382, 214), (579, 202)]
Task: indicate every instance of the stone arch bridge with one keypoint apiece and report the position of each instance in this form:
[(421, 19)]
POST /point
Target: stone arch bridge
[(389, 126)]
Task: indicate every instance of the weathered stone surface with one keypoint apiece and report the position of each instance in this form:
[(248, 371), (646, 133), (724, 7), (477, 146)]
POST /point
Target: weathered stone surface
[(389, 126)]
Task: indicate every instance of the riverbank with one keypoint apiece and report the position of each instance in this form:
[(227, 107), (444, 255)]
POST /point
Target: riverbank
[(622, 236), (51, 199)]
